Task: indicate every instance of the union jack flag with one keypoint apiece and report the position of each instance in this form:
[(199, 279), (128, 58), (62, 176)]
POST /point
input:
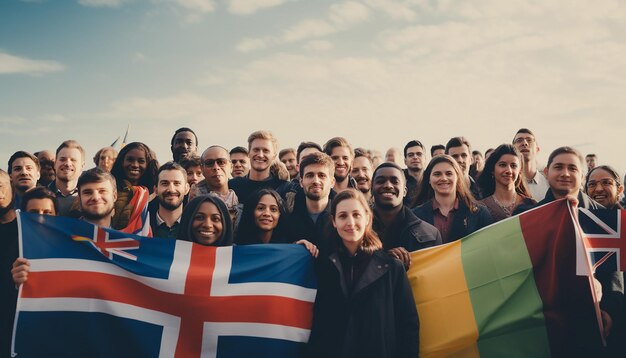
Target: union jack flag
[(604, 238), (163, 298)]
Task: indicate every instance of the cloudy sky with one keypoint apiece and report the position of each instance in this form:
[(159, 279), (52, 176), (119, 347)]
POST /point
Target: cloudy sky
[(379, 72)]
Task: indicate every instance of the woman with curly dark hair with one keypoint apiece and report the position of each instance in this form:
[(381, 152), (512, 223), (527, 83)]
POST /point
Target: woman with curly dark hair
[(135, 172)]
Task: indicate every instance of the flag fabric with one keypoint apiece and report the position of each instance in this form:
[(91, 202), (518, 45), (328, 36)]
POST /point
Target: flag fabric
[(604, 239), (139, 222), (508, 290), (103, 293)]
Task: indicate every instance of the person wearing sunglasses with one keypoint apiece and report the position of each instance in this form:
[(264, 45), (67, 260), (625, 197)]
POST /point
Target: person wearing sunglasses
[(216, 166)]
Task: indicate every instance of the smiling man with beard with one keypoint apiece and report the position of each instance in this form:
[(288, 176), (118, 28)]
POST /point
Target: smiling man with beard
[(69, 164), (167, 208), (342, 155), (398, 228)]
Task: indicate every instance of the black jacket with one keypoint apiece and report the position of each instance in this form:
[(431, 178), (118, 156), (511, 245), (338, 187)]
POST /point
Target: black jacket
[(465, 222), (407, 230), (301, 226), (378, 318)]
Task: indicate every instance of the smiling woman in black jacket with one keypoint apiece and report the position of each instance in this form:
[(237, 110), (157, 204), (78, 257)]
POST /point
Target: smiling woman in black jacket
[(364, 305)]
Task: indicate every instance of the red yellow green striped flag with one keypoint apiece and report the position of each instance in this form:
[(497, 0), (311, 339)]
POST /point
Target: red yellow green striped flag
[(508, 290)]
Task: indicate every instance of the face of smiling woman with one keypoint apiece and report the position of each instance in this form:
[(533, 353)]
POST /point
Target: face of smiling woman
[(266, 213), (135, 164), (351, 220), (207, 227)]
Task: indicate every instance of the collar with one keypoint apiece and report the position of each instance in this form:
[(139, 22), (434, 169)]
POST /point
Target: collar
[(436, 205), (160, 221)]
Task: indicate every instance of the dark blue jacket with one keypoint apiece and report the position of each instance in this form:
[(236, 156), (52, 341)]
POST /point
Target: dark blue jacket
[(465, 222)]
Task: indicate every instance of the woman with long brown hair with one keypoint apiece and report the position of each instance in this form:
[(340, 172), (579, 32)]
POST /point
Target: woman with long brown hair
[(502, 182), (364, 305), (447, 202)]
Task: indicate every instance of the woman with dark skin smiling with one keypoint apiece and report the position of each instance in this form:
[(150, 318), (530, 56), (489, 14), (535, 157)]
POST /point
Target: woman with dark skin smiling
[(262, 222), (134, 167), (206, 221), (603, 185)]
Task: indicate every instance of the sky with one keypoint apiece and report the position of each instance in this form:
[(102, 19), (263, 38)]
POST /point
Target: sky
[(378, 72)]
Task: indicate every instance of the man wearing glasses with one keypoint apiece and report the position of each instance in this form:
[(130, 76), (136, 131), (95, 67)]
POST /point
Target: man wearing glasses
[(216, 166), (526, 143)]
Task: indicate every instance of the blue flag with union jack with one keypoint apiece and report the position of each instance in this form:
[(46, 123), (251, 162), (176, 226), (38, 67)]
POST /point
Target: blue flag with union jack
[(604, 238), (99, 292)]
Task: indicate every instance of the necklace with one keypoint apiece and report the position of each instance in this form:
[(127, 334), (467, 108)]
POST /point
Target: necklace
[(507, 208)]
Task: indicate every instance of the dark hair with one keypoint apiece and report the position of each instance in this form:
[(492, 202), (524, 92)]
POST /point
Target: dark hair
[(190, 211), (39, 192), (148, 178), (184, 129), (361, 152), (477, 152), (436, 147), (607, 168), (462, 191), (317, 158), (565, 150), (241, 150), (189, 163), (95, 175), (591, 155), (613, 173), (487, 182), (371, 242), (305, 145), (247, 230), (22, 154), (524, 130), (411, 144), (388, 165), (171, 165), (458, 142)]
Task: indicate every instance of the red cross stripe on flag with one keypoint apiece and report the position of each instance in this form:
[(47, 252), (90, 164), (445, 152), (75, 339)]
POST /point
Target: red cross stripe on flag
[(605, 238), (109, 246), (196, 305)]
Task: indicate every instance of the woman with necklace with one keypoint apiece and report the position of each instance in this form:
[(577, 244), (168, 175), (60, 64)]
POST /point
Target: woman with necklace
[(502, 184)]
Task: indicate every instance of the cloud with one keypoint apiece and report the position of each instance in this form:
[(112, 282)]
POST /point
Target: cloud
[(203, 6), (247, 7), (14, 64), (101, 3), (138, 57), (397, 10), (341, 17), (318, 46)]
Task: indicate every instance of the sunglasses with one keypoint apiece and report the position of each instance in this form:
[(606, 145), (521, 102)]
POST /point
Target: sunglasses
[(221, 162)]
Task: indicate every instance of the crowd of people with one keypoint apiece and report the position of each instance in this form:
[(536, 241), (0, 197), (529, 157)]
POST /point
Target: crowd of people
[(360, 216)]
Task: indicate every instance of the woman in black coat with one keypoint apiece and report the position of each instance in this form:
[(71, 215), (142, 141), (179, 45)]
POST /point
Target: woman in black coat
[(364, 305)]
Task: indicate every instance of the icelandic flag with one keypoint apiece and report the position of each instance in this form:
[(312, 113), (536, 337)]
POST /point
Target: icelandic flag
[(604, 238), (104, 293)]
